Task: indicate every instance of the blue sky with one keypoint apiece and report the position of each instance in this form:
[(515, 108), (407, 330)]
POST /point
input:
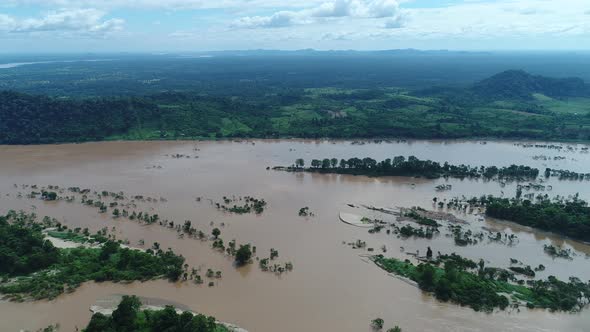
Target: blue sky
[(201, 25)]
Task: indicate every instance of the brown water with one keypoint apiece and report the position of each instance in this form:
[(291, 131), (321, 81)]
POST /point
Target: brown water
[(331, 287)]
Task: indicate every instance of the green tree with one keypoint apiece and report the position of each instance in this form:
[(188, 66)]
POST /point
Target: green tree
[(243, 255), (315, 163), (216, 232), (125, 316), (299, 163), (377, 324), (334, 162)]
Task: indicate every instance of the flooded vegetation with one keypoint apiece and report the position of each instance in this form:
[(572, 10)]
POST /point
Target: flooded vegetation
[(273, 232), (399, 166), (128, 316), (33, 268), (465, 282)]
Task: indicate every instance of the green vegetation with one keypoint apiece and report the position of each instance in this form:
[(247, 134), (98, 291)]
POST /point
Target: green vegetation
[(421, 232), (33, 267), (558, 252), (250, 205), (467, 283), (510, 105), (243, 255), (23, 249), (421, 219), (566, 217), (520, 85), (76, 237), (377, 323), (128, 317), (412, 166)]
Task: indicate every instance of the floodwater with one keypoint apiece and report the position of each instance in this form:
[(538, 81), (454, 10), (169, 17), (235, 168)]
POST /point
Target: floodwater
[(332, 287)]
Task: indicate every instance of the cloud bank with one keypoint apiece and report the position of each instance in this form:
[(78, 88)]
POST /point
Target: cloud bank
[(86, 21), (339, 9)]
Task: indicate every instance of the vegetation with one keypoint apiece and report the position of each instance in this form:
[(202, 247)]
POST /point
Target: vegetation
[(32, 267), (305, 212), (129, 317), (520, 85), (243, 255), (377, 323), (510, 105), (468, 283), (412, 166), (558, 252), (567, 217), (251, 204)]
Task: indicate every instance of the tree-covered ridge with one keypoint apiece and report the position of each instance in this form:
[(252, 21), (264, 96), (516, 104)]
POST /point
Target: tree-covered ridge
[(128, 317), (276, 112), (462, 281), (27, 119), (412, 166), (32, 267), (518, 84)]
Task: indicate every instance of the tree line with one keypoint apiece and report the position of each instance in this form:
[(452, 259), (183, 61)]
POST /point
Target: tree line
[(129, 317), (468, 283), (412, 166), (562, 216), (50, 271)]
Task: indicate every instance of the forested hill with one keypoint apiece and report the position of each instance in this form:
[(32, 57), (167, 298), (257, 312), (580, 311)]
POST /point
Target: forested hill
[(512, 104), (27, 119), (518, 84)]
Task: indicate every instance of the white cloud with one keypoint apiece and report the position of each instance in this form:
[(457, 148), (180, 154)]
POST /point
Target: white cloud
[(277, 20), (314, 23), (86, 21), (161, 4), (366, 9)]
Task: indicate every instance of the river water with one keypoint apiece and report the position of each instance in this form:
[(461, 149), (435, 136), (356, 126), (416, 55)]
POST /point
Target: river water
[(332, 287)]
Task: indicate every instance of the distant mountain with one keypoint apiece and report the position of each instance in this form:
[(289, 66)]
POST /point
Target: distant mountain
[(518, 84), (313, 52)]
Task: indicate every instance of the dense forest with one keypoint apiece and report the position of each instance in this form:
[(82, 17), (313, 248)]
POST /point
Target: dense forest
[(465, 282), (412, 166), (566, 217), (30, 266), (518, 84), (128, 317), (512, 104)]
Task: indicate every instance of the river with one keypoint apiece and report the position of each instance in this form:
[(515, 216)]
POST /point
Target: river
[(332, 288)]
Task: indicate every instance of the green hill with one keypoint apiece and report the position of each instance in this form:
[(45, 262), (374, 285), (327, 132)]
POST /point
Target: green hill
[(518, 84)]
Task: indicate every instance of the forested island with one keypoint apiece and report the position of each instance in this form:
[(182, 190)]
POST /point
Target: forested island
[(468, 283), (32, 268), (412, 166), (130, 317), (569, 217), (512, 104)]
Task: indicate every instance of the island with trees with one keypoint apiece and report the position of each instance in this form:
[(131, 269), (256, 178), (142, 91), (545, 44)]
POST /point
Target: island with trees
[(569, 217), (411, 166), (32, 268), (129, 316), (468, 283)]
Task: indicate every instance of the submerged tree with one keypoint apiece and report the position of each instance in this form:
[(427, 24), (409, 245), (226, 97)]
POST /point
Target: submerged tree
[(243, 255)]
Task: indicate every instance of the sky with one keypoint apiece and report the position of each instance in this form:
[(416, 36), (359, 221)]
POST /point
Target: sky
[(50, 26)]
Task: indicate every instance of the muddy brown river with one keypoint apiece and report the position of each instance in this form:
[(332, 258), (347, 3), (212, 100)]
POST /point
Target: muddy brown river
[(331, 288)]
